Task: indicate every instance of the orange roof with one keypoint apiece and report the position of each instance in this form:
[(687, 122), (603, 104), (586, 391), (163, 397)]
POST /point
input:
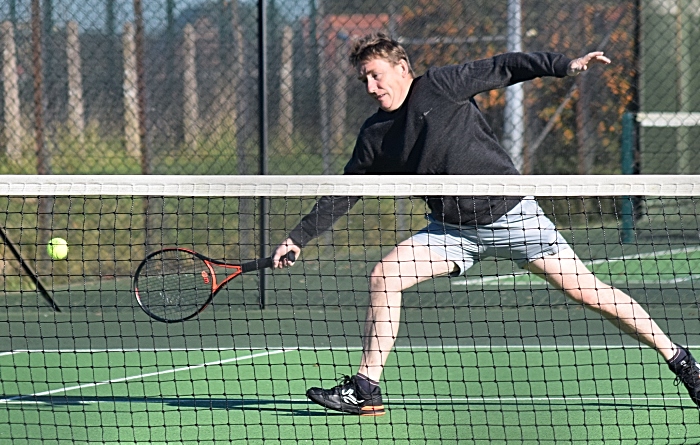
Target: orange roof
[(338, 28), (356, 25), (351, 25)]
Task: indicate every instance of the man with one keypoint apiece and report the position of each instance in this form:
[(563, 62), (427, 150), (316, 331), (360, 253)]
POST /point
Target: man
[(431, 125)]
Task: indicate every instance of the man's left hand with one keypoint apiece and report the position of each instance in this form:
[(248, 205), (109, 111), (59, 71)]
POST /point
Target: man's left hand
[(580, 65)]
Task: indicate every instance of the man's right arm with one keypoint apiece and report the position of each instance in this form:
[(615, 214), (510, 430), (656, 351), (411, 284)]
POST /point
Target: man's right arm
[(325, 213), (328, 209)]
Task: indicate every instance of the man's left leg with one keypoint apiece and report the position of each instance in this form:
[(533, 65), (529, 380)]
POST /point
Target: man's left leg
[(565, 271)]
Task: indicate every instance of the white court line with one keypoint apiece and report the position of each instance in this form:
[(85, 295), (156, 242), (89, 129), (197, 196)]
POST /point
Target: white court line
[(537, 281), (532, 399), (640, 256), (10, 352), (141, 376), (271, 351)]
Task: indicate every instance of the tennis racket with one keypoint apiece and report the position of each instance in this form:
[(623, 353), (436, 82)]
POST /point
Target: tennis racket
[(176, 284)]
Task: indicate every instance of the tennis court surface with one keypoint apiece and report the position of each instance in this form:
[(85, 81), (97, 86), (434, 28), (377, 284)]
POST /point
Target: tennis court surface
[(496, 356)]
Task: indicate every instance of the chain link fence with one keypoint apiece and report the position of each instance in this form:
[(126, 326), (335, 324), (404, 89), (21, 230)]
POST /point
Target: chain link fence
[(173, 86)]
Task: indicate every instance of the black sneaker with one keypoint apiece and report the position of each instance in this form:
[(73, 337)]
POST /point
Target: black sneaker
[(688, 373), (347, 397)]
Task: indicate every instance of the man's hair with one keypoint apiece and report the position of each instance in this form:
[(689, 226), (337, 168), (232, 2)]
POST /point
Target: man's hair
[(378, 46)]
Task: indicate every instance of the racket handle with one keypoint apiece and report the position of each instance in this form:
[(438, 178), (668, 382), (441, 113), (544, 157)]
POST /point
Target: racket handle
[(264, 263)]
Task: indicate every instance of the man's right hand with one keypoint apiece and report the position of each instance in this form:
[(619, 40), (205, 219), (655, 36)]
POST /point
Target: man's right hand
[(279, 257)]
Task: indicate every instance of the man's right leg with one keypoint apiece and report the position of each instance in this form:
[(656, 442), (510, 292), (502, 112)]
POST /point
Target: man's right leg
[(405, 266)]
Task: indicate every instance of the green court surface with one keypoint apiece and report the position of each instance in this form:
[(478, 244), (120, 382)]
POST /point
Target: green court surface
[(437, 394), (660, 267), (496, 358)]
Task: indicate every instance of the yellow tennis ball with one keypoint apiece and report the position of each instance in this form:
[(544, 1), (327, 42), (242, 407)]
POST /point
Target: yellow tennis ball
[(57, 248)]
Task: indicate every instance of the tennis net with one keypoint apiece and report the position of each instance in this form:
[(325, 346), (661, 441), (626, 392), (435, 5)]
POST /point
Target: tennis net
[(496, 354)]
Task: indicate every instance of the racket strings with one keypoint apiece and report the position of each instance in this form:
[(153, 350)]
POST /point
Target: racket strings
[(174, 285)]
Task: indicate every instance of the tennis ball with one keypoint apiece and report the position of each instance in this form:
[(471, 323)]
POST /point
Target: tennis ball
[(57, 248)]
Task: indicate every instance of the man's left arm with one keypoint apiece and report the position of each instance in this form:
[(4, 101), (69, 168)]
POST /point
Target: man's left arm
[(469, 79)]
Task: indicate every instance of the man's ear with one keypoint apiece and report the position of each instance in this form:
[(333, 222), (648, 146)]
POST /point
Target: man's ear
[(404, 67)]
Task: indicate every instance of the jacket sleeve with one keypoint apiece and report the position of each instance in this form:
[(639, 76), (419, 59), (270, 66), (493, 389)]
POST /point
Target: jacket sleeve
[(462, 82), (330, 209), (324, 214)]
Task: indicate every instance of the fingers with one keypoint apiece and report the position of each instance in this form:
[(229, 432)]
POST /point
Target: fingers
[(581, 64), (597, 57), (281, 258)]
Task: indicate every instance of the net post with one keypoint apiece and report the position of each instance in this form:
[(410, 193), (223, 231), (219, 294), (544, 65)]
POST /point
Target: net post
[(264, 136), (627, 161)]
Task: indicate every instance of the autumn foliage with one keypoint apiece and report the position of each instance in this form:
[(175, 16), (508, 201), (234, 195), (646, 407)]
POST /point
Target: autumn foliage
[(585, 112)]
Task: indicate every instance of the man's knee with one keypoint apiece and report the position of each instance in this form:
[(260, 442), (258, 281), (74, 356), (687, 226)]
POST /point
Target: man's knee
[(385, 277), (595, 295)]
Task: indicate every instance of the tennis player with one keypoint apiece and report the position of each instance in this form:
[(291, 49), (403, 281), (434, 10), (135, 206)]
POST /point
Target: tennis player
[(431, 125)]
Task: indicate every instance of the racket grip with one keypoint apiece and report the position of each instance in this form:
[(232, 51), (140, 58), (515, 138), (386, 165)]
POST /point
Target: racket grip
[(265, 263)]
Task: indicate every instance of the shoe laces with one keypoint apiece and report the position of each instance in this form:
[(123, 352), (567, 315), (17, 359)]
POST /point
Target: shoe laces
[(343, 380), (688, 375)]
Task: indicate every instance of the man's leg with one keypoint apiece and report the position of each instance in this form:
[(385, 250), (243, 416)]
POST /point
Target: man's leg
[(566, 271), (405, 266)]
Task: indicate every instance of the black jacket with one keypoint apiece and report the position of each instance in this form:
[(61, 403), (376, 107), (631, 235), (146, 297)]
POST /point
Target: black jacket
[(439, 130)]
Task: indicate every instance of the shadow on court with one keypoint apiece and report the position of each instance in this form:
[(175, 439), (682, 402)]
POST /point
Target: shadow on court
[(305, 408)]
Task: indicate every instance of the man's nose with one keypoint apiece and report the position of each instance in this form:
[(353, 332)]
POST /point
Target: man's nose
[(371, 86)]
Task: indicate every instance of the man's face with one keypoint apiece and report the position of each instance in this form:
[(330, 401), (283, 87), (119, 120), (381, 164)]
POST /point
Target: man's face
[(388, 84)]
